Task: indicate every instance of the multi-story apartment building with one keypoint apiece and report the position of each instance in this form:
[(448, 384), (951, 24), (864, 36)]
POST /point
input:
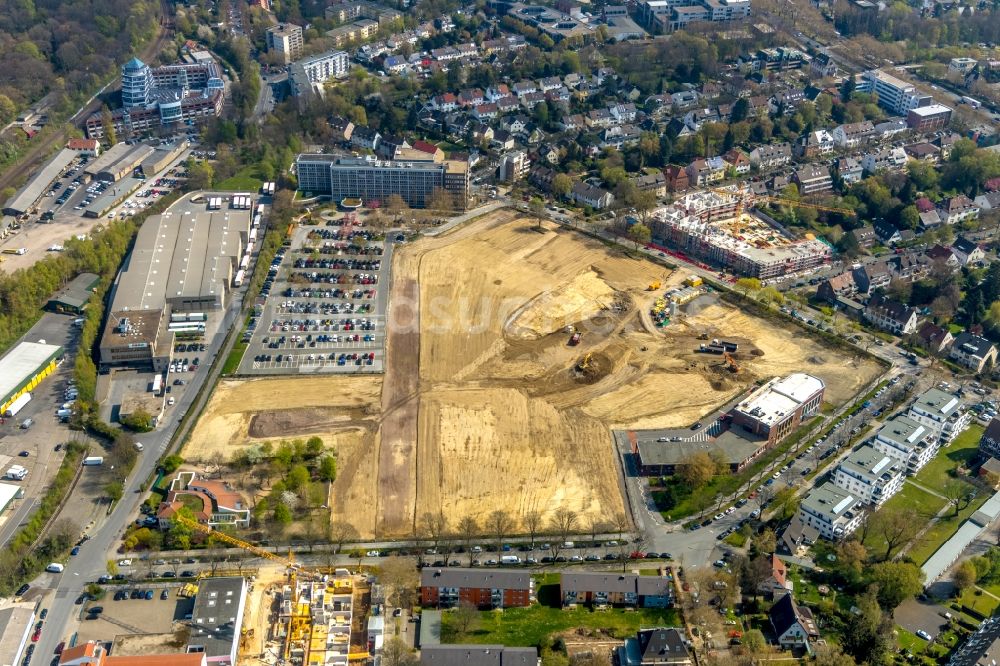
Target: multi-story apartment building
[(928, 118), (769, 156), (870, 475), (163, 96), (286, 39), (611, 589), (894, 95), (941, 412), (832, 511), (908, 441), (813, 178), (311, 73), (483, 588), (371, 179), (890, 159), (668, 15)]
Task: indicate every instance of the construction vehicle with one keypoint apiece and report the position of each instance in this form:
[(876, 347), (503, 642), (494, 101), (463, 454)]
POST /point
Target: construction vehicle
[(653, 286), (747, 199), (703, 336), (575, 339), (731, 364), (584, 363)]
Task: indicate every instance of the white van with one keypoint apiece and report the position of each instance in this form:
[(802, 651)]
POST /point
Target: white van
[(138, 446), (55, 567)]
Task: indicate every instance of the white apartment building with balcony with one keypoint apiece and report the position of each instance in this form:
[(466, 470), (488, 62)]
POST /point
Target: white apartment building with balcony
[(870, 475), (833, 511), (941, 412), (908, 441)]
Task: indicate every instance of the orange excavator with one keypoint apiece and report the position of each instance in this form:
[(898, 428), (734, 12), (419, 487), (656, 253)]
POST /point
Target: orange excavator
[(731, 363)]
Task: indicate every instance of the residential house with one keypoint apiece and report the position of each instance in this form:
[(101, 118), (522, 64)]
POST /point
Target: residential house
[(620, 136), (891, 316), (532, 99), (212, 502), (871, 277), (495, 92), (502, 140), (813, 178), (864, 236), (471, 97), (598, 118), (585, 194), (908, 266), (967, 251), (541, 177), (989, 443), (660, 646), (444, 102), (886, 231), (849, 169), (831, 510), (823, 66), (973, 351), (934, 338), (507, 104), (522, 88), (930, 219), (794, 625), (944, 255), (365, 138), (684, 99), (890, 159), (706, 171), (988, 200), (871, 475), (777, 582), (483, 588), (958, 209), (694, 119), (341, 127), (485, 111), (573, 122), (770, 156), (389, 146), (677, 178), (651, 182), (852, 135), (836, 287), (887, 129), (429, 149), (815, 144), (623, 113), (614, 589), (737, 160), (922, 152)]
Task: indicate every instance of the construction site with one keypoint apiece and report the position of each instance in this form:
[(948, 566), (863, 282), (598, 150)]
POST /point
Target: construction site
[(513, 350)]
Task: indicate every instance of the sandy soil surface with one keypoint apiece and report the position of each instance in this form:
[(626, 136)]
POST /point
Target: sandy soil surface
[(38, 238), (485, 404)]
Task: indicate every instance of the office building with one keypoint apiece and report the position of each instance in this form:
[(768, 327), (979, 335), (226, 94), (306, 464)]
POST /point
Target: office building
[(928, 118), (217, 619), (286, 39), (941, 412), (370, 179), (894, 95), (166, 96), (870, 475), (831, 510), (776, 409)]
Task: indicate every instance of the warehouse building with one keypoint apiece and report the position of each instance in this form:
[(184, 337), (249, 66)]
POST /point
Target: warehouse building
[(119, 165), (16, 622), (182, 261), (161, 158), (40, 183), (113, 196), (73, 298), (371, 179), (24, 367)]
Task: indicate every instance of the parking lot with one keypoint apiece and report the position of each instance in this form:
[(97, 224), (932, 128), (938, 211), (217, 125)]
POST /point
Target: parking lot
[(325, 302), (144, 611)]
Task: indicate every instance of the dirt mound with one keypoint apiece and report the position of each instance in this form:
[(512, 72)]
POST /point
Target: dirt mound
[(584, 296), (817, 360), (291, 422), (756, 352)]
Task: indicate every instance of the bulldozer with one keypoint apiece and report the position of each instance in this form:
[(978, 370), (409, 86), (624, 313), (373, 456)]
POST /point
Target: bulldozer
[(731, 363), (653, 286)]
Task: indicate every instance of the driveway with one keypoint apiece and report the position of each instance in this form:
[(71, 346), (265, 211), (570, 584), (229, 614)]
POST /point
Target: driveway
[(914, 615)]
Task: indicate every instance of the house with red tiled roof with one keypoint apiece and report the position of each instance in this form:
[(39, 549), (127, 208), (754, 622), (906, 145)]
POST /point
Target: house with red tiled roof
[(212, 502), (777, 583), (84, 654), (89, 147), (430, 149)]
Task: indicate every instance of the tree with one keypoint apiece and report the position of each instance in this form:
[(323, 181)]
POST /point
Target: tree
[(537, 206), (754, 641), (499, 523), (434, 525), (532, 521), (896, 581), (464, 616), (468, 530), (868, 632), (395, 652), (754, 572), (959, 494), (851, 556), (639, 234), (696, 470), (561, 185), (747, 285), (827, 655), (896, 526), (441, 200), (847, 89), (114, 490), (396, 206), (201, 175), (282, 514), (138, 421), (965, 576), (563, 522), (341, 532), (327, 468), (400, 578), (172, 463)]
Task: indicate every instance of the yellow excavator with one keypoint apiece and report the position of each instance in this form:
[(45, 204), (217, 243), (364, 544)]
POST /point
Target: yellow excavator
[(584, 362)]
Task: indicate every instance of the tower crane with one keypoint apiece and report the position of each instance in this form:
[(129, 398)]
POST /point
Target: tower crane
[(746, 199)]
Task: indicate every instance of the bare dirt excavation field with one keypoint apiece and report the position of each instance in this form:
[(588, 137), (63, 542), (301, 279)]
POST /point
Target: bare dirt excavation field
[(484, 405)]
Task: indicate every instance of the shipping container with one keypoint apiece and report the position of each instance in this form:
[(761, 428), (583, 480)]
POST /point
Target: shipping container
[(238, 278), (17, 405), (197, 316), (93, 460)]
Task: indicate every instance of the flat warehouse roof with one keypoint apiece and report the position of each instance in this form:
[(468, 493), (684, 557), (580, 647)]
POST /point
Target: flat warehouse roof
[(107, 158), (8, 491), (39, 184), (15, 623), (21, 363)]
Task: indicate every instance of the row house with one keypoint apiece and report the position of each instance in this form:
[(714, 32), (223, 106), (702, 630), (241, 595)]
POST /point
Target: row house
[(706, 171), (522, 88), (771, 156), (891, 159), (891, 316), (471, 97), (497, 91), (853, 135), (445, 54), (738, 160), (482, 588), (611, 589), (549, 83), (507, 104), (531, 100)]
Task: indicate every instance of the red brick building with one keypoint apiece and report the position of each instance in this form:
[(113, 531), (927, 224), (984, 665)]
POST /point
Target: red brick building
[(484, 588)]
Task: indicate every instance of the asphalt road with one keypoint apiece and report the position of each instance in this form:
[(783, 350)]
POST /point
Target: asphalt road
[(95, 553)]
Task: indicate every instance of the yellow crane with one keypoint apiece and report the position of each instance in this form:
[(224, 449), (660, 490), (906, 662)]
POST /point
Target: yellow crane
[(746, 199)]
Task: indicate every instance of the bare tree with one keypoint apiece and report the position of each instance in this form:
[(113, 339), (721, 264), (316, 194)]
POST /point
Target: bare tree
[(563, 522), (434, 525), (464, 617), (395, 652), (532, 521), (468, 530), (340, 533), (897, 527), (499, 524), (596, 526), (399, 577)]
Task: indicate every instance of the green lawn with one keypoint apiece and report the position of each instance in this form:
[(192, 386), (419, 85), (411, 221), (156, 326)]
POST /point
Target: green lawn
[(239, 183), (193, 502), (923, 505), (961, 451), (527, 627), (943, 530), (981, 603), (235, 356)]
